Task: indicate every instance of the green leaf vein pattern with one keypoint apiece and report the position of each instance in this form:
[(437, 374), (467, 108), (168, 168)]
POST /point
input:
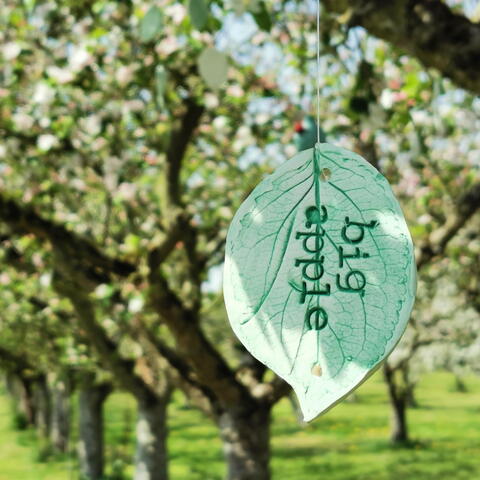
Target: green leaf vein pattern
[(320, 274)]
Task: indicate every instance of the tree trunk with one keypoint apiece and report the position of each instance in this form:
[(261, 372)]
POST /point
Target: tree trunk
[(21, 391), (43, 406), (91, 445), (27, 403), (246, 443), (460, 385), (409, 386), (411, 397), (151, 450), (398, 395), (399, 433), (429, 30), (60, 414)]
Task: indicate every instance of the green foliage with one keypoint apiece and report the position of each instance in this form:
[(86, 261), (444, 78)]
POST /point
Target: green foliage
[(262, 16), (19, 421), (45, 452), (119, 467)]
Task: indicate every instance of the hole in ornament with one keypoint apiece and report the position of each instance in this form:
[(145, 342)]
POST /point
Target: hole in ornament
[(325, 175), (317, 370)]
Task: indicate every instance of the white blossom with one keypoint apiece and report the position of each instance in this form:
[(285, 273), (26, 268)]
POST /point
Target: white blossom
[(386, 98), (290, 150), (79, 58), (135, 305), (11, 50), (60, 75), (127, 191), (243, 138), (91, 124), (46, 142), (211, 100), (262, 118), (420, 117), (43, 93), (176, 13), (124, 75), (22, 121), (44, 122), (46, 279), (220, 122), (235, 91), (167, 46)]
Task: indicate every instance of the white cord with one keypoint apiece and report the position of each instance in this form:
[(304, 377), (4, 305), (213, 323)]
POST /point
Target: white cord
[(318, 71)]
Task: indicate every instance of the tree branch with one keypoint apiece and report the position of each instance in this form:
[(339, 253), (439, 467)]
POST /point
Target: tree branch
[(182, 374), (160, 253), (106, 349), (179, 140), (467, 206), (425, 29), (279, 389), (25, 220), (211, 370), (15, 362), (14, 258)]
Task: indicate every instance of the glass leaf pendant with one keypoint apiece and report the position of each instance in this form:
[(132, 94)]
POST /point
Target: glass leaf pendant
[(320, 274)]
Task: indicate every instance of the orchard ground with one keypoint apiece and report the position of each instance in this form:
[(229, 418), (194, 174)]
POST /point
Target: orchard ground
[(349, 443)]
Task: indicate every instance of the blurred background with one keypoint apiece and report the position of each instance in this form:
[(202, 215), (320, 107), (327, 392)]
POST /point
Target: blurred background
[(130, 132)]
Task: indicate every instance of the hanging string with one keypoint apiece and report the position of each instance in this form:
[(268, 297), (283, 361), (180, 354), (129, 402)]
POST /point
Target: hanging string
[(318, 71)]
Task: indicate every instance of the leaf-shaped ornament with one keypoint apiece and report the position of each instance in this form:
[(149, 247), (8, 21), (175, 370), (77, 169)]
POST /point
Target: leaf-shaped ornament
[(198, 13), (161, 78), (320, 274), (151, 24), (213, 67)]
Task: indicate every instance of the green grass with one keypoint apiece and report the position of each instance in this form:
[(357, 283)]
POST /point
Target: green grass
[(349, 443), (21, 453)]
